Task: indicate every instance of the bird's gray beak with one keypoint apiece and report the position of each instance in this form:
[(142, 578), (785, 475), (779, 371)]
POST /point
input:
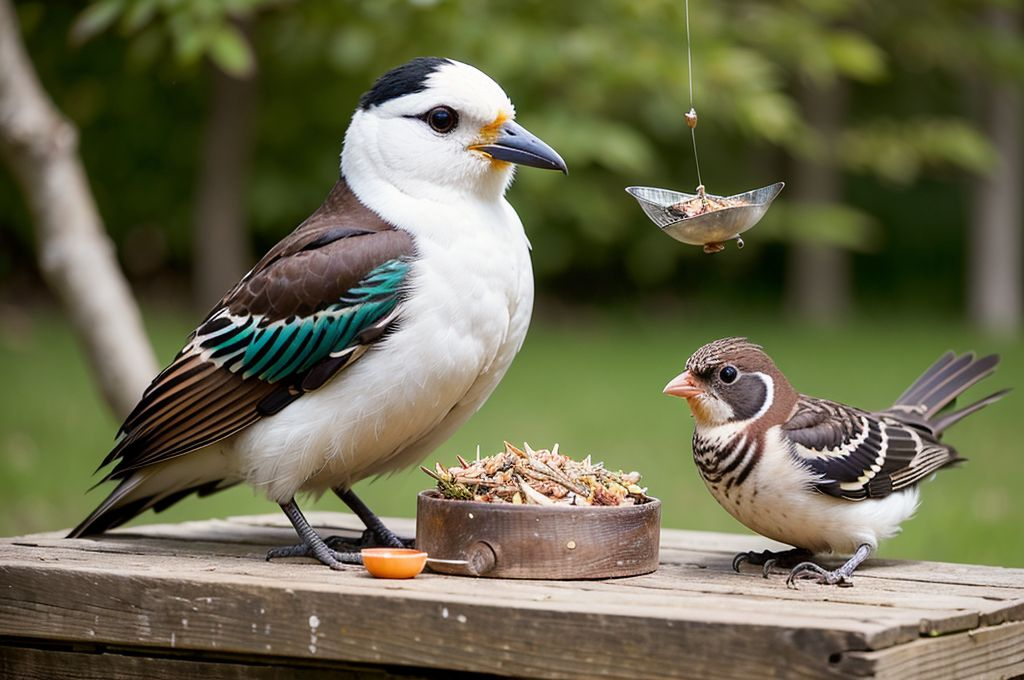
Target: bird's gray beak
[(516, 144)]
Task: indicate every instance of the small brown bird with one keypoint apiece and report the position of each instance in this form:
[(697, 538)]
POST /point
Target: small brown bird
[(821, 476)]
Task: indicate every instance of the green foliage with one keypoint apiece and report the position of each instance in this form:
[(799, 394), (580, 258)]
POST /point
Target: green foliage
[(822, 223), (604, 82), (96, 18), (898, 150), (193, 28), (819, 41)]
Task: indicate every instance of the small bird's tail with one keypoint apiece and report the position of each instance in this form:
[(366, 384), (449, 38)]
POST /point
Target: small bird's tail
[(158, 487), (940, 385)]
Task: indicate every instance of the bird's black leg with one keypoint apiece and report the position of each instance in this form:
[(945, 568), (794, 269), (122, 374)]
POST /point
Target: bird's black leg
[(376, 534), (768, 559), (836, 577), (312, 545)]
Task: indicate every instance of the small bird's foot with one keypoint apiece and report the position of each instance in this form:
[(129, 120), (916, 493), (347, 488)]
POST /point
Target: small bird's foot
[(312, 545), (769, 559), (331, 558), (716, 247), (842, 577), (810, 570)]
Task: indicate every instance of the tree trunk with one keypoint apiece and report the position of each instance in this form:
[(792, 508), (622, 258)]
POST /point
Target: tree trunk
[(75, 254), (818, 275), (995, 281), (220, 243)]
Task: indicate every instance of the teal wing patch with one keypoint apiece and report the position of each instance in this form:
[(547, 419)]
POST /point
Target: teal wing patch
[(272, 350)]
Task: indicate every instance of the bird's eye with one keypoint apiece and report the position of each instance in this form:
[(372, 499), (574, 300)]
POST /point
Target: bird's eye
[(442, 119), (728, 374)]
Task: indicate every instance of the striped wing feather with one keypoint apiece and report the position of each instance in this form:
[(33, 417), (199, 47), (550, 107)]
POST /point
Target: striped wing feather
[(862, 455), (858, 454), (192, 403)]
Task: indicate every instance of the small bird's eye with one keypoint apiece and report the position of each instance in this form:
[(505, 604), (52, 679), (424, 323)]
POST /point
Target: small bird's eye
[(442, 119), (728, 374)]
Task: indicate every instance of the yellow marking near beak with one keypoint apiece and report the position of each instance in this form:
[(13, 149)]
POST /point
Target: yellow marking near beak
[(488, 135), (490, 132)]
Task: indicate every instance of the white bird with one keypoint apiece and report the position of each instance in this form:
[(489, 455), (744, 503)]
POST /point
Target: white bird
[(821, 476), (369, 334)]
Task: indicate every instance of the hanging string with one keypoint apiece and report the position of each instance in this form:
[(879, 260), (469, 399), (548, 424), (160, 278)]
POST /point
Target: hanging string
[(691, 117)]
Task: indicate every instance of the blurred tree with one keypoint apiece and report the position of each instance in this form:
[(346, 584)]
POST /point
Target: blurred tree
[(819, 283), (975, 50), (77, 259), (214, 32), (220, 241), (997, 220)]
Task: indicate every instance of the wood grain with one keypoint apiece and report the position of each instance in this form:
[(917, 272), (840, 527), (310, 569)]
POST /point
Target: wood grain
[(27, 663), (993, 652), (202, 588)]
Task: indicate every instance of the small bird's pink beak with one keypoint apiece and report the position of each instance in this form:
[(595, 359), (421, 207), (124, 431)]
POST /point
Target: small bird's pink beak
[(683, 385)]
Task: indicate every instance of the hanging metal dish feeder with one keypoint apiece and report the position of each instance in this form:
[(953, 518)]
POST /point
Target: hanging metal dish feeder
[(705, 220)]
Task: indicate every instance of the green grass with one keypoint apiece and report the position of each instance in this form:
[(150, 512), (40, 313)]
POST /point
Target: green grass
[(591, 383)]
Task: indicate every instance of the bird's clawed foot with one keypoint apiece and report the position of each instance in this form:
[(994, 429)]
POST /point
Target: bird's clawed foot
[(810, 570), (842, 577), (312, 545), (769, 559), (325, 555), (369, 539)]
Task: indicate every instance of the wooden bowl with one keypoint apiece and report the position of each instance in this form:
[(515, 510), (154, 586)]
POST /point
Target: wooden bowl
[(393, 562), (538, 541)]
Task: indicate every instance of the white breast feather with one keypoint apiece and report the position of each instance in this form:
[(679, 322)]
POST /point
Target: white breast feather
[(463, 322), (787, 509)]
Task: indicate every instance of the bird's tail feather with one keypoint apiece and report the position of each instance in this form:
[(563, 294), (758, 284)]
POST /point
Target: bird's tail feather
[(950, 419), (940, 364), (115, 510), (156, 487), (944, 381)]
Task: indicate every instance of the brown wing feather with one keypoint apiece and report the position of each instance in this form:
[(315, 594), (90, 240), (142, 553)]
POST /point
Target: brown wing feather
[(305, 260), (197, 401), (171, 422)]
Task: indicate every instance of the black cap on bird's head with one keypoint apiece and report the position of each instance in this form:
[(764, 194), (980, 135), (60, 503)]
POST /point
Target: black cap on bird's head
[(436, 129), (409, 78)]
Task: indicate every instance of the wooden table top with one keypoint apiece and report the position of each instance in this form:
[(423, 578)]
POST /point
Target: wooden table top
[(198, 595)]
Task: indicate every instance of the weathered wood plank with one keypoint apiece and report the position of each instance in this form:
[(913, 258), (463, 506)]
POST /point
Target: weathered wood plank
[(674, 595), (678, 544), (992, 652), (50, 664), (545, 640), (958, 607), (202, 587)]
